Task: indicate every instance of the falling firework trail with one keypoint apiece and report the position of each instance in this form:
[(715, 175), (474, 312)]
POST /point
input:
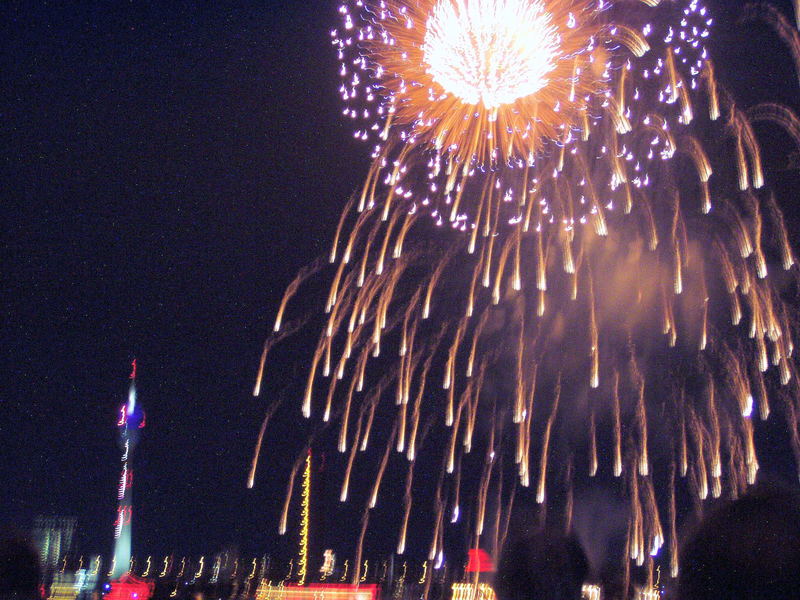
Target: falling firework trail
[(352, 455), (370, 505), (270, 342), (673, 532), (771, 15), (254, 463), (408, 494), (540, 493), (509, 510), (583, 213), (570, 497), (495, 547)]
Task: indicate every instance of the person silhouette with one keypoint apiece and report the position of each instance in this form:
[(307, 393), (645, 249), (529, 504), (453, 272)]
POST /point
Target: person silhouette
[(747, 549), (20, 572), (541, 566)]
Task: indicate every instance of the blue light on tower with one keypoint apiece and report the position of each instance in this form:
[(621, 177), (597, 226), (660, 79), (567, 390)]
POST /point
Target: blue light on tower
[(131, 422)]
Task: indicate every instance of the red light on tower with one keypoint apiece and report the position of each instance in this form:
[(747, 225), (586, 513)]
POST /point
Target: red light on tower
[(479, 561), (130, 588)]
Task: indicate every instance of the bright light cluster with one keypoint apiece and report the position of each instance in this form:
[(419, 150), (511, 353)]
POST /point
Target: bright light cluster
[(473, 591), (302, 566), (490, 51)]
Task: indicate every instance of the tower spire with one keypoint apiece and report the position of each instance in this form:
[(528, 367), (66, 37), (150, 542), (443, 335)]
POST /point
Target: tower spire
[(131, 421)]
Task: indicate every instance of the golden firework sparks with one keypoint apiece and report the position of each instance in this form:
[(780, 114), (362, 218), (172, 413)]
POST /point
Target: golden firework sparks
[(610, 257)]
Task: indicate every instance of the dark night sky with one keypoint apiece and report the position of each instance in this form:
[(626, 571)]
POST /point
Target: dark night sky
[(166, 169)]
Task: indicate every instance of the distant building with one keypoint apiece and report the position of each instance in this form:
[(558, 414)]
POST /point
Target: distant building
[(53, 537)]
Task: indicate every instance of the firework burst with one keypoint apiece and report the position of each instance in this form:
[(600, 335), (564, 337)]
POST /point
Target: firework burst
[(608, 272), (483, 81)]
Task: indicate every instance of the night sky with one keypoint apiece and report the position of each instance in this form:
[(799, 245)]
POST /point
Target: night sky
[(166, 169)]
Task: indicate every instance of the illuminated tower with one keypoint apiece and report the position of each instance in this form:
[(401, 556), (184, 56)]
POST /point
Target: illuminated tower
[(131, 421), (305, 506)]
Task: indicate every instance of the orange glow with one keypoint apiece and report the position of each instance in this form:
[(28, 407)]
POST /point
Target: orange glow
[(472, 591), (320, 591)]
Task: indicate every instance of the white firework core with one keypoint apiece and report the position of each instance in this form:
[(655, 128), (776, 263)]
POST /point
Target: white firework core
[(490, 51)]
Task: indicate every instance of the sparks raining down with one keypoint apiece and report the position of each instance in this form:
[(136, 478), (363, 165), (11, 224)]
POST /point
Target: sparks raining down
[(564, 258)]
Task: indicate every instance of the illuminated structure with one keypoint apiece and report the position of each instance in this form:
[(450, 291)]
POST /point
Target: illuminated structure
[(64, 590), (328, 565), (131, 421), (329, 591), (302, 563), (591, 592), (479, 561), (53, 538), (130, 588), (473, 591), (647, 593)]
